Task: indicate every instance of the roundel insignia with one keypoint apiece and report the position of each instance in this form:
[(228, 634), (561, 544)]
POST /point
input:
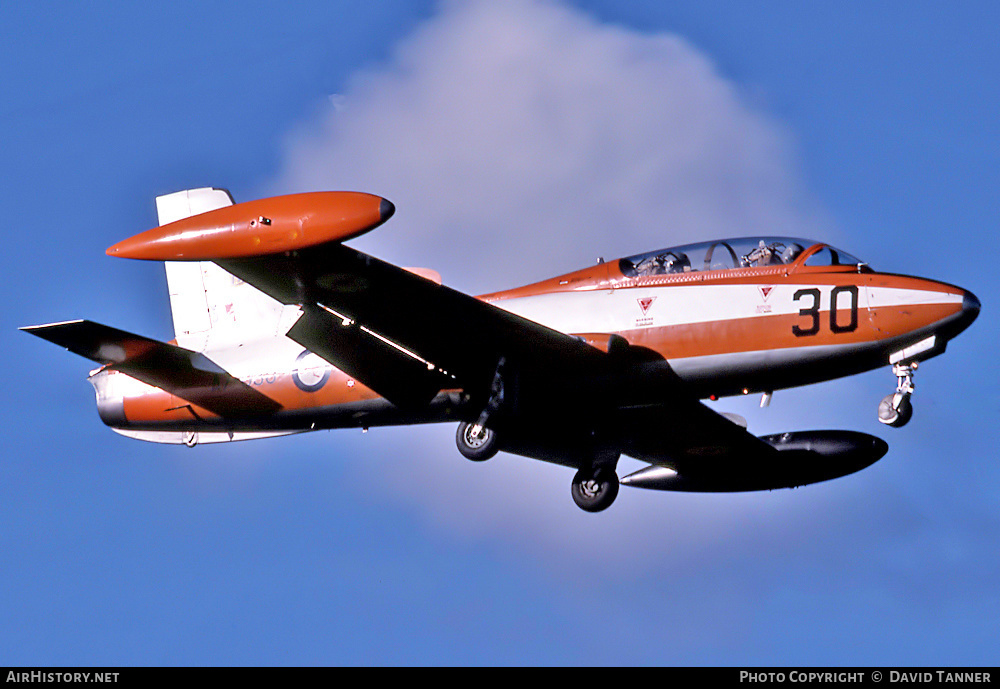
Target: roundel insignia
[(311, 372)]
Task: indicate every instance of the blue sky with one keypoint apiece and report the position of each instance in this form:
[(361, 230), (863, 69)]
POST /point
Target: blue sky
[(532, 138)]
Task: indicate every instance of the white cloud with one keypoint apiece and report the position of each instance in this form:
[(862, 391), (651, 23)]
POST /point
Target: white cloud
[(523, 139), (520, 140)]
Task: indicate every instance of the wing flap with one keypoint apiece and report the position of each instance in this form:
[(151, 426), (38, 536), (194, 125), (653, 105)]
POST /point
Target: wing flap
[(400, 377), (186, 374)]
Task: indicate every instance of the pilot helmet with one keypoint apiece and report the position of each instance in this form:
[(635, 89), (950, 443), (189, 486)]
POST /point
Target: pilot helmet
[(791, 252)]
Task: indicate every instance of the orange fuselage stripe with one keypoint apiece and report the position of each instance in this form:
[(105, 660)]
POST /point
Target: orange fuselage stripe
[(674, 341)]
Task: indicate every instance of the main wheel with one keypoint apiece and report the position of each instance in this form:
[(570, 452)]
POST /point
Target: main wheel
[(895, 413), (595, 489), (477, 443)]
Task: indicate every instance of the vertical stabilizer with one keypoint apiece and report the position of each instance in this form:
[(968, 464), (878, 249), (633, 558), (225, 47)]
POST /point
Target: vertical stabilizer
[(210, 307)]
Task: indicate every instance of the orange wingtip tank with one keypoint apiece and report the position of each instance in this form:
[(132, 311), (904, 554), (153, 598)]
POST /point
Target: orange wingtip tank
[(256, 228)]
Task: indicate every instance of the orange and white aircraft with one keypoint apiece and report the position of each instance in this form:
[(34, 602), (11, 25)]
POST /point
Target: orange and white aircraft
[(281, 328)]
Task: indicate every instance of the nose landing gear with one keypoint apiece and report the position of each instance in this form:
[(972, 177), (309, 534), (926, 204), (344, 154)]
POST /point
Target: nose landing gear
[(895, 410)]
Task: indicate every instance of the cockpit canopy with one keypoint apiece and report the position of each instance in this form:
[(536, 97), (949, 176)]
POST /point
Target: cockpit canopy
[(730, 254)]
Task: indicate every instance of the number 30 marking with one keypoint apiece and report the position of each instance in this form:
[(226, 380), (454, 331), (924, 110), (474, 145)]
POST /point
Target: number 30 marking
[(812, 311)]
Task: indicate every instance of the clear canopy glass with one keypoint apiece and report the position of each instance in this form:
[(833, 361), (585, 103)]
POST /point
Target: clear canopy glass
[(730, 254)]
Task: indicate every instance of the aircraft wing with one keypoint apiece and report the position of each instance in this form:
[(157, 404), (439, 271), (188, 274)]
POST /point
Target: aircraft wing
[(188, 375), (687, 436), (407, 338), (403, 335)]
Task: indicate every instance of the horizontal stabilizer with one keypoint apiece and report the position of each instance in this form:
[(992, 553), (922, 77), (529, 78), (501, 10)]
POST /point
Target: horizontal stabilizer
[(192, 438), (189, 375)]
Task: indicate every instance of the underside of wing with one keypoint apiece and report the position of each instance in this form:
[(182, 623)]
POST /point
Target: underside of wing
[(403, 335), (684, 433)]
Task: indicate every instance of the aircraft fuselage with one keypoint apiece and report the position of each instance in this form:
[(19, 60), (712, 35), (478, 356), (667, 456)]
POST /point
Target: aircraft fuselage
[(725, 330)]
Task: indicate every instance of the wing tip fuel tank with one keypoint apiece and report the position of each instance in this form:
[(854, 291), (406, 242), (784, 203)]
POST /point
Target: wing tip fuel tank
[(803, 457), (261, 227)]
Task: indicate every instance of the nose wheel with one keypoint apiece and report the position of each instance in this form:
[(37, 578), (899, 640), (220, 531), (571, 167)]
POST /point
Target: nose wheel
[(896, 409)]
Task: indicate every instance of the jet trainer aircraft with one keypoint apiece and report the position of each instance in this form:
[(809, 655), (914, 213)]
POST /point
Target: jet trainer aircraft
[(281, 328)]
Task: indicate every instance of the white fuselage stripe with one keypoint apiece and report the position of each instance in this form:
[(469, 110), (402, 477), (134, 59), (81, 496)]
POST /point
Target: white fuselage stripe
[(633, 308)]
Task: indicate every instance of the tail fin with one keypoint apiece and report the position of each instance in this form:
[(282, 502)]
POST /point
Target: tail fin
[(211, 308)]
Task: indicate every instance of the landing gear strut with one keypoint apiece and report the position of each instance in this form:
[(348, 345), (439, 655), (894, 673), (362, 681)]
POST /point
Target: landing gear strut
[(895, 409), (475, 441), (594, 489)]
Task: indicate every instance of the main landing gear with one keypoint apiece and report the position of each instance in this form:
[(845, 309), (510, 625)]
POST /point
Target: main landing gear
[(594, 489), (476, 442), (896, 409)]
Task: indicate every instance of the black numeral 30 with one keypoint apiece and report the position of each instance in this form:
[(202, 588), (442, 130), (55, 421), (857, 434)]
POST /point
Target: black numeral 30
[(811, 311)]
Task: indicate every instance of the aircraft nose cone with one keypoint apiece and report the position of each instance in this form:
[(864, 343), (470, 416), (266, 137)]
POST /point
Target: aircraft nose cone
[(969, 312), (970, 305), (386, 209)]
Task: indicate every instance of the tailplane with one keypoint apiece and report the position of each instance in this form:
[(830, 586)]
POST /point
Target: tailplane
[(190, 375)]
